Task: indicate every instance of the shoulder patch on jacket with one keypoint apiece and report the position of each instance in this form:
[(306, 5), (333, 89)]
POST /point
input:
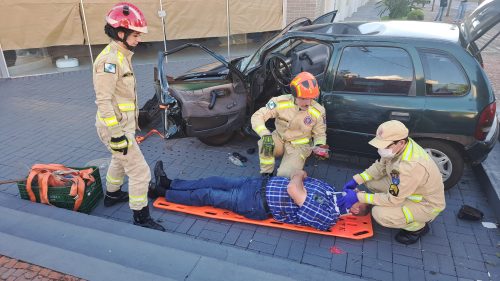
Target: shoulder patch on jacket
[(110, 68), (271, 104)]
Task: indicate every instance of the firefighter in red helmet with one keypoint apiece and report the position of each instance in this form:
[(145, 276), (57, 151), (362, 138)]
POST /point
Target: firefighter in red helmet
[(117, 112), (300, 127)]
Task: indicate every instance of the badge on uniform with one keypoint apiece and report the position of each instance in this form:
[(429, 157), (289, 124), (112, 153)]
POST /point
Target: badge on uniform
[(110, 68), (308, 120), (271, 104), (394, 189)]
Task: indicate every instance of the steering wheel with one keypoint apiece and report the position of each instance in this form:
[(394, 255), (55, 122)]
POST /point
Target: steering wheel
[(280, 70)]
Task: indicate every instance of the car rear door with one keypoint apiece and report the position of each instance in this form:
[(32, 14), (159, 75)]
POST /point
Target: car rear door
[(370, 83), (480, 21)]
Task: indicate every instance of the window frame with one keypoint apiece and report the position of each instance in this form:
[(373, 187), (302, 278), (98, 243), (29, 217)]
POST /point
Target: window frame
[(412, 89), (452, 59)]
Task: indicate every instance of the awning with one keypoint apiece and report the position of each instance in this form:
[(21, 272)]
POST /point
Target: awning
[(31, 24)]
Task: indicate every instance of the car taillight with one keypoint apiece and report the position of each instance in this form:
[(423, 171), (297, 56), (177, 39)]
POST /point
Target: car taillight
[(485, 121)]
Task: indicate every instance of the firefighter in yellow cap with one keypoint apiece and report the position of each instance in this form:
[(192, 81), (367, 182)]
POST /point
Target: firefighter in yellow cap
[(300, 127), (406, 184), (117, 112)]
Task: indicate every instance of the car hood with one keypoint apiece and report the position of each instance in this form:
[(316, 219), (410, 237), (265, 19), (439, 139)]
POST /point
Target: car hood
[(481, 20)]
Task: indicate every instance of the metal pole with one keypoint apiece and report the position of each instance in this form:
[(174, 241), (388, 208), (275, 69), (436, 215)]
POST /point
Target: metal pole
[(432, 8), (228, 31), (284, 13), (4, 70), (162, 15), (87, 32)]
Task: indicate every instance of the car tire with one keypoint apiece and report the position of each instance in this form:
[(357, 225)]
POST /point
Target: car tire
[(448, 159), (217, 140)]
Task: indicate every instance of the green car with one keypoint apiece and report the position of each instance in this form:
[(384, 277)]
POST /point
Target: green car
[(426, 74)]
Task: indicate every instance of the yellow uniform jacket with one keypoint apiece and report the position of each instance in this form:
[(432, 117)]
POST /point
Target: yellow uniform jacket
[(412, 175), (115, 88), (292, 125)]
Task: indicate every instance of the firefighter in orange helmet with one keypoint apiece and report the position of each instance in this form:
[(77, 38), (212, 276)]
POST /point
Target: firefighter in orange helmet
[(300, 127), (117, 112)]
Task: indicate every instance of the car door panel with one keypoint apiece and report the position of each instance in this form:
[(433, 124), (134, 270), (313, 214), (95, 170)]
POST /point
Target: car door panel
[(212, 110)]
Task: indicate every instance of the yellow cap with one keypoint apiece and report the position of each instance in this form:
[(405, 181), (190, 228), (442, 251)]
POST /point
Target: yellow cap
[(388, 132)]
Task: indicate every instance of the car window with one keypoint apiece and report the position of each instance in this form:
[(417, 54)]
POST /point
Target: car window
[(443, 75), (374, 70)]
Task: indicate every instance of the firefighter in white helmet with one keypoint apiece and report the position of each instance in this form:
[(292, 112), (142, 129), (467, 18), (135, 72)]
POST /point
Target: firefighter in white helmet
[(117, 112), (300, 127)]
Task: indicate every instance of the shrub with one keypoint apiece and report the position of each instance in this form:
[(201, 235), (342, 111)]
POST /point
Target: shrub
[(415, 15), (397, 9)]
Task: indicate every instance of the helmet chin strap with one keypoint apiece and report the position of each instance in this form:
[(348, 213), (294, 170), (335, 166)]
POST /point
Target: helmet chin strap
[(127, 45), (124, 41)]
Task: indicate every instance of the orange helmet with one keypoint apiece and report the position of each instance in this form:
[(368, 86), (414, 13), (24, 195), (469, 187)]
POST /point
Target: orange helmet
[(305, 86), (128, 16)]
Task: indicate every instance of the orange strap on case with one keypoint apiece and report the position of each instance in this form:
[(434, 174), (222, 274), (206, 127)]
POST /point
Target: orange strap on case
[(56, 175), (348, 226)]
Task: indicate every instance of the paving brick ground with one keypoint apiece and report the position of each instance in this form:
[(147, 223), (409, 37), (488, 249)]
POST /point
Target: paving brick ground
[(16, 270), (51, 119)]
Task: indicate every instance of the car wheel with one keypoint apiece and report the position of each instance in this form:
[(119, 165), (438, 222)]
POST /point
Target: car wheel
[(217, 140), (448, 159)]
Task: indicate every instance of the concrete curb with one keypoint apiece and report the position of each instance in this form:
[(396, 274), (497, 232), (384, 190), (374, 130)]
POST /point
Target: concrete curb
[(95, 248)]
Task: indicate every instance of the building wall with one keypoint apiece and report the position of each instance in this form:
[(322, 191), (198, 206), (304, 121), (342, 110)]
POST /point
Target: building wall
[(314, 8)]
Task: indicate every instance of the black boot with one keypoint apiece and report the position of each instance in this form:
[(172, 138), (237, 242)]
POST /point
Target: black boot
[(155, 190), (410, 237), (160, 176), (112, 198), (142, 218)]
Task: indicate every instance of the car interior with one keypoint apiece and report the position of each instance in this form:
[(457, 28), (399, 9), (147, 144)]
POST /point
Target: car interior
[(284, 62)]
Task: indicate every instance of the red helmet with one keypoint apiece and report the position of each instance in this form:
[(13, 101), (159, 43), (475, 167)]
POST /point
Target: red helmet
[(127, 15), (305, 86)]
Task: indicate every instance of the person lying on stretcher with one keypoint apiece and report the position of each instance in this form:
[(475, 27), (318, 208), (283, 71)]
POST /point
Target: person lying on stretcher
[(300, 200)]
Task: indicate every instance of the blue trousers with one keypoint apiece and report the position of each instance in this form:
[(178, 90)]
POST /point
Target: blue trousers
[(239, 195), (440, 13), (461, 11)]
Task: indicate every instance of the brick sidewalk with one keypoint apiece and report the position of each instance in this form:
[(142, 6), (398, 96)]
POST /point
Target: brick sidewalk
[(16, 270)]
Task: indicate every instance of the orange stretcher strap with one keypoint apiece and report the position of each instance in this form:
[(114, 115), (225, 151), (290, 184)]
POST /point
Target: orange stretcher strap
[(348, 226), (57, 175)]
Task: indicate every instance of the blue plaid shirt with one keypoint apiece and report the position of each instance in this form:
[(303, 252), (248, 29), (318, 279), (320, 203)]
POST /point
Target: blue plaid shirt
[(319, 210)]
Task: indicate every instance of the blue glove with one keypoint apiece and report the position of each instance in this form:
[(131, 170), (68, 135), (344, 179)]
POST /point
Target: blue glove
[(350, 185), (348, 200)]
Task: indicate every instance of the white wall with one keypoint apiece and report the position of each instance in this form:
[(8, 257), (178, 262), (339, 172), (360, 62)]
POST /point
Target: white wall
[(345, 7)]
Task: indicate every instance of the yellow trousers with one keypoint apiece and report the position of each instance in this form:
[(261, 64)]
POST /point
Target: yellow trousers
[(410, 216), (294, 156), (132, 165)]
